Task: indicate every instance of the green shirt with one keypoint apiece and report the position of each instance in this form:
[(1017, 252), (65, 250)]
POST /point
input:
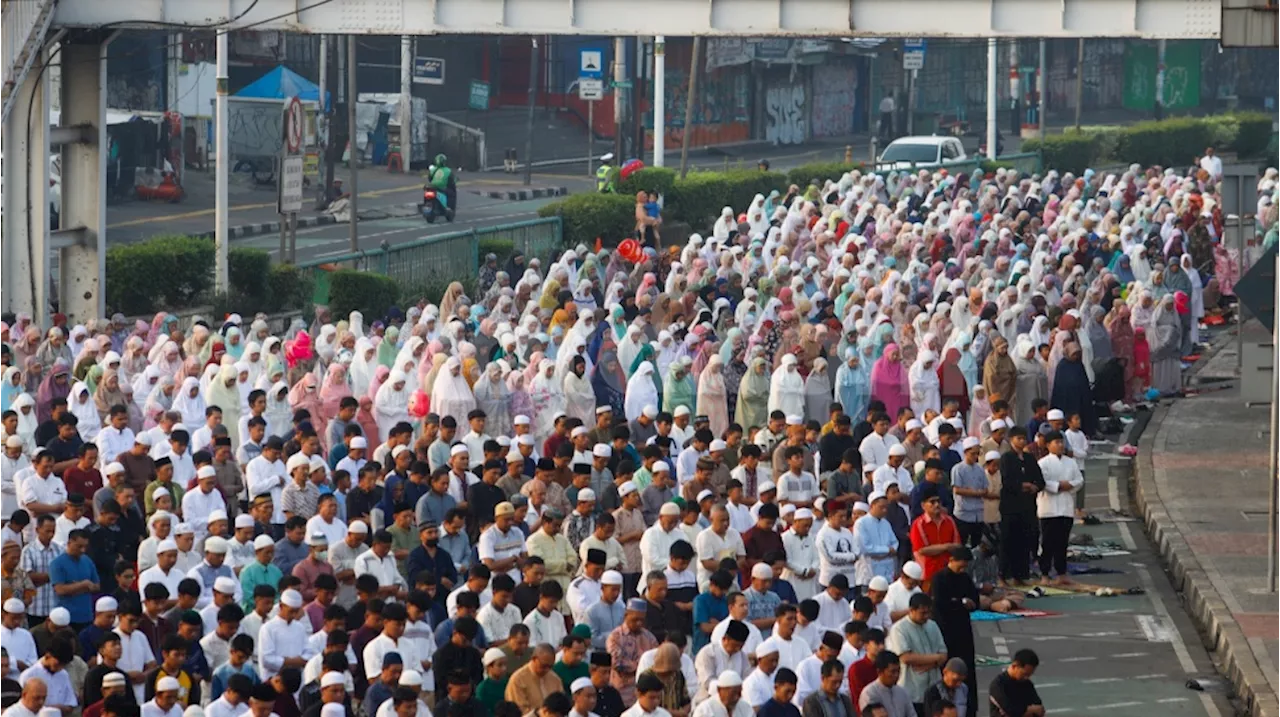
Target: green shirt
[(490, 692), (642, 478), (403, 539), (253, 575), (174, 490), (568, 674)]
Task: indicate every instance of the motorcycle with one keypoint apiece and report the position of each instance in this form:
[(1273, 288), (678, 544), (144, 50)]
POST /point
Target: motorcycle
[(434, 204)]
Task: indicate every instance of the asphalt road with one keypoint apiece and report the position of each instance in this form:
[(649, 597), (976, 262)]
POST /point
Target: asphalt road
[(1123, 656), (334, 239)]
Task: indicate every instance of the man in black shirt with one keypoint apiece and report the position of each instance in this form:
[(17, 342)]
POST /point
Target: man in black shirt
[(864, 427), (48, 430), (104, 538), (1011, 692), (460, 655), (832, 446), (1021, 479), (525, 596), (367, 493), (663, 618), (954, 597), (65, 447), (608, 699), (484, 496)]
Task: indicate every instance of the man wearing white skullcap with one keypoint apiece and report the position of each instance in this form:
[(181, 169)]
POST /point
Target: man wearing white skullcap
[(240, 546), (875, 542), (212, 568), (727, 701), (655, 545), (282, 641), (15, 637), (758, 687), (198, 504), (168, 700)]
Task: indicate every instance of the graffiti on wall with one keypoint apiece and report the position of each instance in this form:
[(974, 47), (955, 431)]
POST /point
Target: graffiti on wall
[(831, 112), (723, 97), (784, 114)]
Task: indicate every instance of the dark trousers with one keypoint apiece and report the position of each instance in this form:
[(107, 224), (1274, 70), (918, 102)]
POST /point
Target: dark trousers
[(1055, 533), (1017, 544), (970, 533)]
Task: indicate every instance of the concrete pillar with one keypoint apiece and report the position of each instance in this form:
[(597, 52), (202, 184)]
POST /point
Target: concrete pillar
[(406, 100), (659, 101), (992, 122), (25, 276), (82, 262)]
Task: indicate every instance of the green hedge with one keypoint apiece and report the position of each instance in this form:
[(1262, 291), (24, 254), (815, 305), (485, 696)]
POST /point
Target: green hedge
[(501, 247), (288, 288), (1170, 142), (370, 294), (649, 179), (164, 272), (1067, 152), (699, 198), (248, 272), (803, 175), (611, 217)]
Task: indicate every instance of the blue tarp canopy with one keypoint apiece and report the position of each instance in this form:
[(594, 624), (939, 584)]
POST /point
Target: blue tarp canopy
[(281, 83)]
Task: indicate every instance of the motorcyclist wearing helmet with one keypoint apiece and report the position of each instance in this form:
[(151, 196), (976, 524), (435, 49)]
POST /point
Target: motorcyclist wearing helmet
[(444, 182)]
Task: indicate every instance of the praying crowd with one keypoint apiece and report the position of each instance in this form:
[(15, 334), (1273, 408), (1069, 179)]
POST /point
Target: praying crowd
[(772, 470)]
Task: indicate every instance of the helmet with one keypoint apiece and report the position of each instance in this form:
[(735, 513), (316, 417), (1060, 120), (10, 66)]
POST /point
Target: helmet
[(441, 160), (763, 164)]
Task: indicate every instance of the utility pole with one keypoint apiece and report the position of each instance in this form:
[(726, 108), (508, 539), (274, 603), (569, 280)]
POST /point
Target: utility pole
[(1159, 103), (1042, 79), (353, 166), (1015, 87), (659, 100), (689, 101), (222, 161), (323, 122), (993, 128), (619, 102), (533, 101), (406, 101)]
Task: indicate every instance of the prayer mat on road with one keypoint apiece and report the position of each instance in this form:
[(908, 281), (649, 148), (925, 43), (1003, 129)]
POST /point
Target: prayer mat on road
[(990, 616), (1082, 569), (986, 661), (1036, 613)]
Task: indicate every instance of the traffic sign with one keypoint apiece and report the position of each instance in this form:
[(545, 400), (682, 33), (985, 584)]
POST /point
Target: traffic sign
[(291, 185), (913, 49), (591, 63), (428, 70), (590, 88), (479, 96), (294, 122)]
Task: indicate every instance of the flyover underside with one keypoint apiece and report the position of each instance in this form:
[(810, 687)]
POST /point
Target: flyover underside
[(1170, 19)]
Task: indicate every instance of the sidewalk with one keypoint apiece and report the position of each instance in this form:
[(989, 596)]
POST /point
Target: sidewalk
[(1201, 483)]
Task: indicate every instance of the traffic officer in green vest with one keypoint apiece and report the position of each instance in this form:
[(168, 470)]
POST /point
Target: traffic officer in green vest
[(604, 175)]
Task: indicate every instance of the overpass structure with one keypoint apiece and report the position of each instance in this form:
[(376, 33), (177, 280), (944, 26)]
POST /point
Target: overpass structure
[(74, 34)]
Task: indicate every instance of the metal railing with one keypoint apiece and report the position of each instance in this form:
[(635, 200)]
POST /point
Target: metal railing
[(434, 261), (464, 145), (24, 24)]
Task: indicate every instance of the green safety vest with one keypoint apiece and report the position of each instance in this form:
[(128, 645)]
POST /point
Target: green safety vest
[(604, 183)]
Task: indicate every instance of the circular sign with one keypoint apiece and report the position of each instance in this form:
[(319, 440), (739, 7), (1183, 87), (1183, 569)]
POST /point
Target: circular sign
[(293, 123)]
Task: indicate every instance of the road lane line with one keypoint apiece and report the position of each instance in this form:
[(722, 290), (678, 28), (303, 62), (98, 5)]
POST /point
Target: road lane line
[(1078, 659), (1099, 680), (1002, 646), (1155, 629), (1170, 700), (1113, 705), (1131, 654)]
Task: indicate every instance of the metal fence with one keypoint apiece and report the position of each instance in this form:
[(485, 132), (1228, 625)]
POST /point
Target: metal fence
[(435, 261)]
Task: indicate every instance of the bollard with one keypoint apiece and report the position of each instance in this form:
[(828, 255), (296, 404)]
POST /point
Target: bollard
[(848, 154), (873, 151), (509, 162)]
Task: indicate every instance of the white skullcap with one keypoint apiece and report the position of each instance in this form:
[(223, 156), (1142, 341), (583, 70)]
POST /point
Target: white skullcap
[(669, 509), (897, 449), (578, 431), (991, 456), (913, 570), (803, 514), (581, 683), (790, 509), (661, 467), (359, 527), (1056, 415), (914, 424), (331, 679), (492, 655), (106, 604), (168, 545), (718, 445), (521, 420), (704, 495), (601, 410), (861, 506), (13, 442), (15, 606), (60, 616), (167, 684), (244, 520), (217, 514), (143, 439), (768, 646), (113, 468), (602, 450), (263, 541), (526, 440), (296, 461), (681, 410), (998, 424), (159, 493), (766, 487), (879, 584), (761, 571), (611, 577), (395, 452), (459, 448), (794, 420), (650, 411), (626, 489), (359, 442), (291, 598), (206, 472), (970, 442), (411, 678), (729, 678), (215, 545), (875, 495), (225, 585), (586, 495)]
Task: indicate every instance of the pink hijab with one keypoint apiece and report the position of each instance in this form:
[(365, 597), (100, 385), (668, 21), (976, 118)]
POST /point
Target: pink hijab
[(334, 390), (889, 381)]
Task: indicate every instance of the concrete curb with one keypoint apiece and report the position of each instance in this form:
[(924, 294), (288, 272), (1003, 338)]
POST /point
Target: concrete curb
[(252, 230), (520, 195), (1202, 601)]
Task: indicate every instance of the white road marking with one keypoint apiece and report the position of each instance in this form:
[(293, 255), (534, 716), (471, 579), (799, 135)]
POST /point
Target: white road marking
[(1113, 705), (1170, 700), (1150, 677), (1099, 680), (1001, 645), (1078, 659), (1099, 634), (1131, 654), (1155, 628), (1148, 585), (1049, 638), (1050, 685)]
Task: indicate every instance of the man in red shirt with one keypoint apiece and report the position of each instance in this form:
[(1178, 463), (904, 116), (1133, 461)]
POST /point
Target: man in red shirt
[(82, 478), (933, 535), (863, 672)]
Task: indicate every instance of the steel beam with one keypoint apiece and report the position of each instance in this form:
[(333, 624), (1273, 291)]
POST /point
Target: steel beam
[(79, 134), (82, 263), (1170, 19)]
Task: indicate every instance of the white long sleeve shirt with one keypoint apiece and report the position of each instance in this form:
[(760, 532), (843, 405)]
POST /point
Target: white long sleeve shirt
[(655, 547), (791, 652), (836, 554), (196, 507), (1079, 444), (266, 476), (887, 474), (1053, 501), (874, 536), (875, 448), (277, 640), (832, 614), (802, 556), (112, 442), (222, 708)]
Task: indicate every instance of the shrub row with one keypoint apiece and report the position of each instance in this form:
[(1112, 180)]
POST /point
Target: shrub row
[(1170, 142), (177, 271)]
